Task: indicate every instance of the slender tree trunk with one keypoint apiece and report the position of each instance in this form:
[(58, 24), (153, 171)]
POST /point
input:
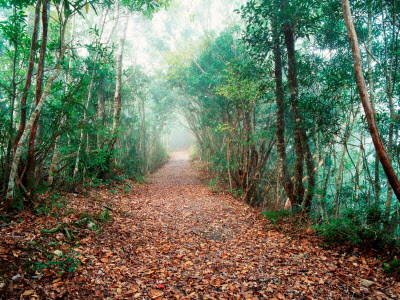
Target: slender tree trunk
[(228, 158), (118, 87), (338, 182), (389, 93), (100, 108), (326, 175), (53, 163), (246, 151), (376, 185), (28, 79), (28, 82), (298, 141), (280, 121), (389, 194), (142, 138), (369, 113), (54, 158), (30, 164), (302, 146), (358, 169), (82, 134), (28, 128), (11, 189), (13, 96)]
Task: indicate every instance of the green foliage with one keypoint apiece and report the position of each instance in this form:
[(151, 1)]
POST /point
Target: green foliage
[(214, 184), (276, 217), (105, 215), (61, 264), (352, 229), (18, 3), (392, 267), (93, 219), (18, 203), (146, 7), (341, 231), (236, 192), (50, 206)]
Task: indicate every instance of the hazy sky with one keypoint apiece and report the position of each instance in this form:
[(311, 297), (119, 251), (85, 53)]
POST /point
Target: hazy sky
[(178, 27)]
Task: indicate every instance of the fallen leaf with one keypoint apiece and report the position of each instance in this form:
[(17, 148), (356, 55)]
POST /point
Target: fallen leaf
[(367, 283), (155, 294), (58, 283), (28, 292)]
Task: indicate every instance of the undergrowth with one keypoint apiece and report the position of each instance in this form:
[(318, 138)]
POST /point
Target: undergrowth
[(355, 229)]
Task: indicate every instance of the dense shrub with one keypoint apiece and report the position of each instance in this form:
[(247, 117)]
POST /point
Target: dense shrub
[(276, 217), (353, 230)]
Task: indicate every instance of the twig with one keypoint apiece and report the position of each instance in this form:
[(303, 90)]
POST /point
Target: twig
[(108, 208)]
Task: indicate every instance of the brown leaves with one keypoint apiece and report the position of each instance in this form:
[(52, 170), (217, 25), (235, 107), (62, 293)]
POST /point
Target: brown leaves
[(155, 294), (104, 259), (176, 240)]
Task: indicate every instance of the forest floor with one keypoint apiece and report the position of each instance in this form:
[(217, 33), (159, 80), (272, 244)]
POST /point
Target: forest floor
[(172, 238)]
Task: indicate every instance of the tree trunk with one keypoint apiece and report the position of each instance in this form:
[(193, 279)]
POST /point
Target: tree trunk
[(340, 170), (369, 113), (298, 141), (54, 158), (13, 96), (28, 79), (53, 163), (280, 121), (310, 166), (100, 108), (118, 88), (20, 147), (376, 185), (82, 134), (30, 164)]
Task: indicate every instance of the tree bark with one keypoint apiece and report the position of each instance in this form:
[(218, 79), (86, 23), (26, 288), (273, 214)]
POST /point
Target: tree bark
[(376, 183), (118, 85), (13, 96), (280, 121), (117, 96), (366, 103), (100, 108), (20, 146), (30, 164), (298, 140), (28, 79)]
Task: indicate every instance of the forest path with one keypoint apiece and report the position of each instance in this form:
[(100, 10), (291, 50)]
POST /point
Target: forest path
[(174, 239)]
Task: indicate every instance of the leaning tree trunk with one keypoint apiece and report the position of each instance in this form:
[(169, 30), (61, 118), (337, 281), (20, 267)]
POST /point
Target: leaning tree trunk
[(20, 146), (30, 164), (28, 83), (366, 103), (28, 79)]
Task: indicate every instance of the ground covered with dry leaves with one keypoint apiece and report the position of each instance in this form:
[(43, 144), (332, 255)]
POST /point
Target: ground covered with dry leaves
[(172, 238)]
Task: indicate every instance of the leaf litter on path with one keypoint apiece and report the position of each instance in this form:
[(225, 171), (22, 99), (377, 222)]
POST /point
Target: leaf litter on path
[(174, 239)]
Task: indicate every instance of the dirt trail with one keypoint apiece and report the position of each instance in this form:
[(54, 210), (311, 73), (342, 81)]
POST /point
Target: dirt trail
[(174, 239)]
